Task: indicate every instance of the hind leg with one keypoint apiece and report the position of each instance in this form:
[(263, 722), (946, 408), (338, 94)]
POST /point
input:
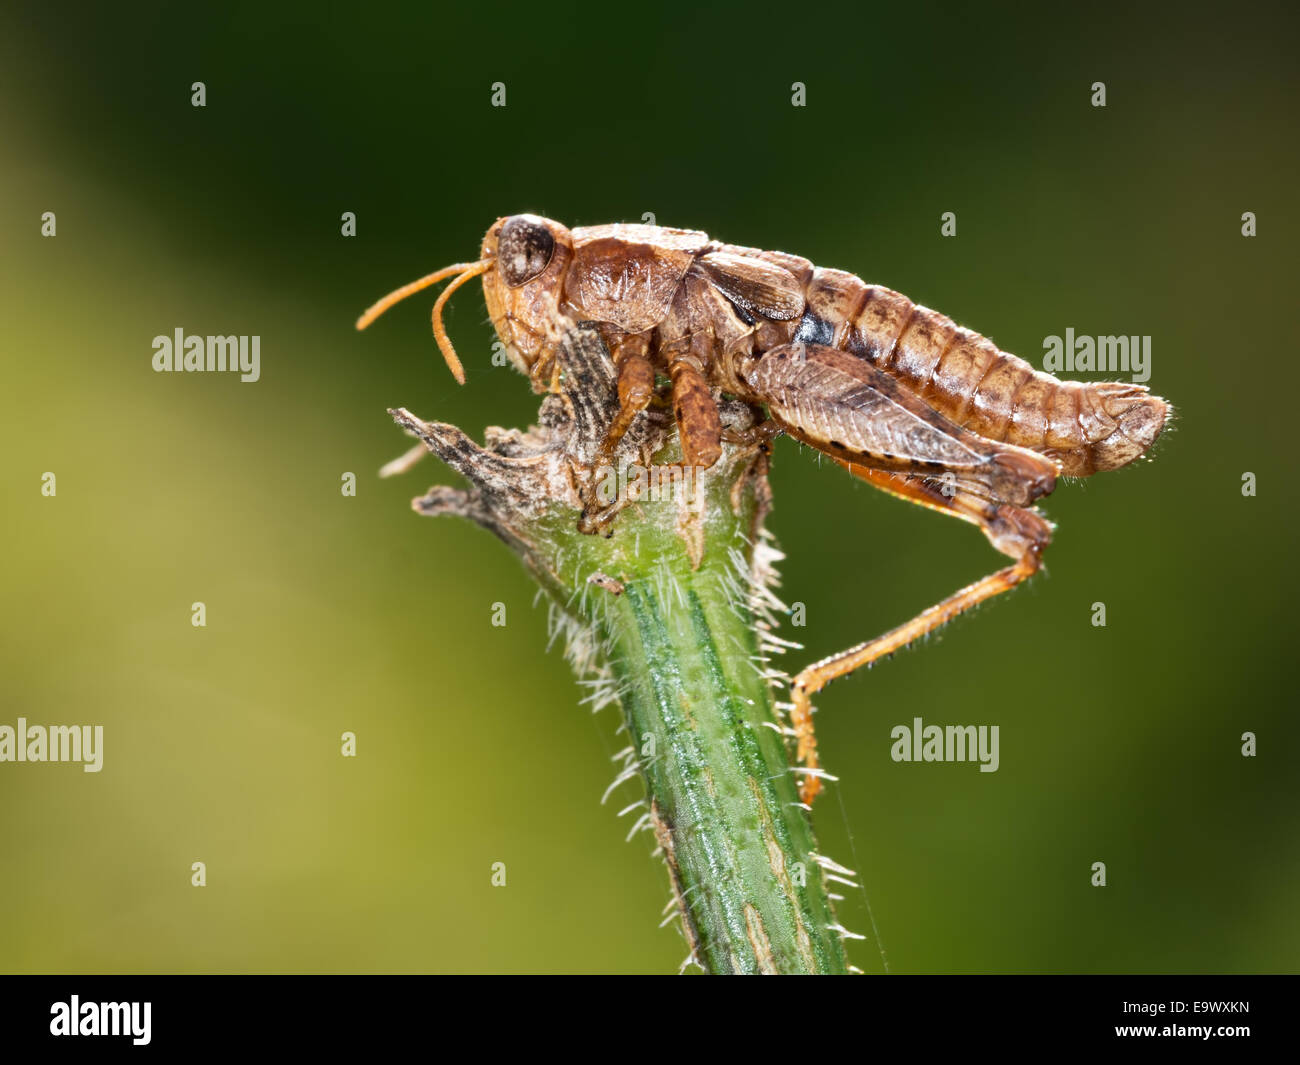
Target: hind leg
[(1019, 533)]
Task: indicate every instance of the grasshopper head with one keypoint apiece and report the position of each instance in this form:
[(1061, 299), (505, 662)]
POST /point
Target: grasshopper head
[(524, 261), (523, 285)]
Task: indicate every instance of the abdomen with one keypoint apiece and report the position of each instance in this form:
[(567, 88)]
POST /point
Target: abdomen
[(1087, 427)]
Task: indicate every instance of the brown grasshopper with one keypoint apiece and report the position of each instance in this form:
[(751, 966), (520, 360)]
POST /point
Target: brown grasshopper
[(895, 393)]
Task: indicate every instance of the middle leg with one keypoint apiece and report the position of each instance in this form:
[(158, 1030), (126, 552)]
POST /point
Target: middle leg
[(699, 427)]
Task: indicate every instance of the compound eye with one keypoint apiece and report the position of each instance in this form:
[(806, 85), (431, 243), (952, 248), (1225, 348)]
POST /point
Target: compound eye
[(524, 250)]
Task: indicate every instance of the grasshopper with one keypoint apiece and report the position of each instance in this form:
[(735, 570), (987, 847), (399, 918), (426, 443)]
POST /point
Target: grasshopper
[(897, 394)]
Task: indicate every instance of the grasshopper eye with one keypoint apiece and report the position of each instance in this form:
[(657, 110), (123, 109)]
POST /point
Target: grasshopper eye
[(524, 250)]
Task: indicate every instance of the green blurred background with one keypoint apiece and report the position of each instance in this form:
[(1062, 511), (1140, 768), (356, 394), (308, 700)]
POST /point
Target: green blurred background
[(1119, 744)]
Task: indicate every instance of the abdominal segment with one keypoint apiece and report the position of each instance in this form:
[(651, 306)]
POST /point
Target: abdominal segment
[(1086, 427)]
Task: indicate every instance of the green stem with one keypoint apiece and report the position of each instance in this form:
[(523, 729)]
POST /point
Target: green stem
[(682, 646), (673, 613)]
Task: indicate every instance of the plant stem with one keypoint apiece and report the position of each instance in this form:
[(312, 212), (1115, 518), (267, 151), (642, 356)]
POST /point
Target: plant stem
[(683, 649), (672, 612)]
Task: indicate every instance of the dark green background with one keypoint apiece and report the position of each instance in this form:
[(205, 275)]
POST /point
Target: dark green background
[(1119, 744)]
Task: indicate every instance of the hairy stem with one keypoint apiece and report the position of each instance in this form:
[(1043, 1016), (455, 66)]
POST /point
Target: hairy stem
[(683, 653), (672, 615)]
